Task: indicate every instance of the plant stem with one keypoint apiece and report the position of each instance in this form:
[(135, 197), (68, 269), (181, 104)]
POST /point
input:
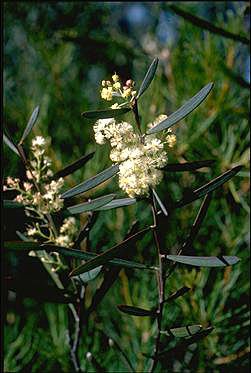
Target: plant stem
[(160, 281)]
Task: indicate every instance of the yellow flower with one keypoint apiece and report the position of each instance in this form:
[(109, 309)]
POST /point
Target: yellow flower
[(106, 93), (115, 78), (115, 106), (116, 86)]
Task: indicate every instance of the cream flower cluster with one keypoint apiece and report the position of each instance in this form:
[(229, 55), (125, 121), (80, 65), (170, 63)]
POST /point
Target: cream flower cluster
[(68, 232), (139, 157)]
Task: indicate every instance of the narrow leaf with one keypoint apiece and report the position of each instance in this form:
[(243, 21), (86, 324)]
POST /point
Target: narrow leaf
[(118, 203), (103, 114), (184, 331), (160, 203), (73, 166), (136, 311), (92, 205), (92, 182), (109, 254), (205, 261), (9, 204), (148, 77), (205, 25), (31, 245), (180, 347), (177, 294), (10, 144), (110, 274), (30, 124), (209, 187), (88, 276), (187, 166), (183, 111), (22, 236)]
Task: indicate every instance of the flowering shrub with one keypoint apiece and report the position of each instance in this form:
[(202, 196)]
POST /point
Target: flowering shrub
[(139, 160)]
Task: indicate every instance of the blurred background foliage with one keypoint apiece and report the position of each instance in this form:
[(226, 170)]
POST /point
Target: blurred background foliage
[(55, 55)]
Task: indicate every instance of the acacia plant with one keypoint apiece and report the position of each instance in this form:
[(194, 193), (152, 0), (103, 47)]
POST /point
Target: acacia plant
[(139, 159)]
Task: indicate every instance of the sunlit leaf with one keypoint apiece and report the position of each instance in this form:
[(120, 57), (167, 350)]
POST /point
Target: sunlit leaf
[(88, 276), (160, 202), (10, 144), (205, 261), (109, 254), (209, 187), (92, 182), (148, 77), (103, 114), (30, 124), (187, 166), (73, 166), (184, 331), (135, 311), (92, 205), (118, 203), (183, 111)]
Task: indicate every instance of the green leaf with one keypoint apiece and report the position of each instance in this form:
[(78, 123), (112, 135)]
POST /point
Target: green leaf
[(177, 294), (22, 236), (10, 144), (184, 331), (104, 114), (9, 204), (135, 311), (73, 166), (160, 203), (88, 276), (120, 202), (183, 111), (148, 77), (209, 187), (31, 245), (187, 166), (92, 182), (180, 347), (205, 25), (109, 254), (92, 205), (30, 124), (205, 261)]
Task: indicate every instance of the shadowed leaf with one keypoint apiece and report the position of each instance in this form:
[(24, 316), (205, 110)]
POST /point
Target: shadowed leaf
[(148, 77), (183, 331), (135, 311), (187, 166), (111, 274), (92, 205), (204, 261), (180, 347), (209, 187), (30, 245), (92, 182), (205, 25), (118, 203), (9, 204), (183, 111), (30, 124), (177, 294), (104, 114), (109, 254), (10, 144), (73, 166)]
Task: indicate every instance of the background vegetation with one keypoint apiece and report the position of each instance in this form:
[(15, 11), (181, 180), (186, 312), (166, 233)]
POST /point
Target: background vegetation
[(55, 55)]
